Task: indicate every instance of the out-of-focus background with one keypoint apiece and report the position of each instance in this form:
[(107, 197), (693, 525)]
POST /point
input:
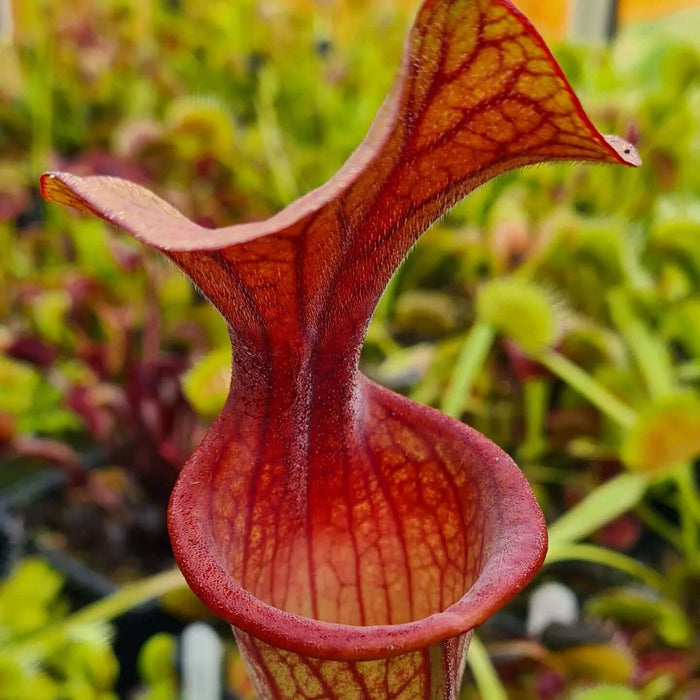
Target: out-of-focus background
[(111, 366)]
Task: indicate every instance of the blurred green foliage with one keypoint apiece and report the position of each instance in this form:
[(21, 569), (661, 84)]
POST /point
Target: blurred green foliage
[(81, 667), (156, 664), (605, 693)]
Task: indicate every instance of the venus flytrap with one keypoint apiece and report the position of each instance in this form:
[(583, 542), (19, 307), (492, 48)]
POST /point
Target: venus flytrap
[(665, 440), (535, 310), (531, 318), (659, 442), (514, 307), (352, 538), (521, 310)]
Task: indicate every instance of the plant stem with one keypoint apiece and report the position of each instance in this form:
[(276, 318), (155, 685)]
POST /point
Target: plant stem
[(685, 478), (648, 350), (659, 525), (661, 687), (485, 675), (103, 610), (588, 387), (689, 510), (607, 557), (536, 393), (471, 358)]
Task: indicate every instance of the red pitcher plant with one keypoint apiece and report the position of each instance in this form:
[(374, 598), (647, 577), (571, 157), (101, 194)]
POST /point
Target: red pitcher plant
[(351, 537)]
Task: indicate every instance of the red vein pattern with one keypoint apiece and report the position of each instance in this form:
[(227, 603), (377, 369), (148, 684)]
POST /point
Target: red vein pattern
[(353, 538)]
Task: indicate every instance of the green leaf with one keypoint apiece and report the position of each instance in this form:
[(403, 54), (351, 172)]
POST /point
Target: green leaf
[(38, 406), (48, 315), (90, 238), (18, 383), (600, 507), (157, 658), (28, 597), (485, 674), (647, 348), (639, 607), (206, 385), (88, 656), (606, 557), (470, 361), (606, 692), (682, 325), (17, 681)]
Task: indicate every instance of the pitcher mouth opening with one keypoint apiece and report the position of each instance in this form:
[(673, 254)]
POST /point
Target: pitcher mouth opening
[(513, 553)]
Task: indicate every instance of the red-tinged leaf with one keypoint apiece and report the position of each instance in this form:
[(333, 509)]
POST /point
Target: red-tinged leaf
[(352, 537)]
